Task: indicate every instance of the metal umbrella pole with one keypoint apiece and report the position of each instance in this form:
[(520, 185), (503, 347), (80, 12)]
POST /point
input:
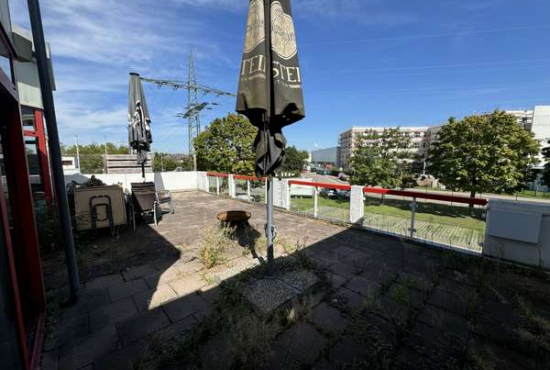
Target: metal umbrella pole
[(270, 228), (55, 149)]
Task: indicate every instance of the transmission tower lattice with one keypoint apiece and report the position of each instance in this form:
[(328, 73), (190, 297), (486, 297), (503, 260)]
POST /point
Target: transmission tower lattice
[(194, 106), (193, 120)]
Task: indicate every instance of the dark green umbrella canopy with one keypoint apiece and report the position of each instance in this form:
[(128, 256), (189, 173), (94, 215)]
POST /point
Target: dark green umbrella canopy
[(139, 121), (271, 98)]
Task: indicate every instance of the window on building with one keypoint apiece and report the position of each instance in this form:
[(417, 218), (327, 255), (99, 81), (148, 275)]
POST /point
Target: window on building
[(33, 160), (27, 116), (5, 65)]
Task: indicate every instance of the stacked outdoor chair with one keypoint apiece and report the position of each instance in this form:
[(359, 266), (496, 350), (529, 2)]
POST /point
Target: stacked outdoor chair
[(147, 200)]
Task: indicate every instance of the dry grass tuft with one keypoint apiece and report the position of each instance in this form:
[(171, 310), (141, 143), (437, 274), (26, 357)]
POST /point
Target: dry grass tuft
[(215, 242)]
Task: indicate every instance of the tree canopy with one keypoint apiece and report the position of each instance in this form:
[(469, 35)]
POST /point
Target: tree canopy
[(227, 145), (483, 153), (163, 162), (294, 159), (381, 158), (91, 155)]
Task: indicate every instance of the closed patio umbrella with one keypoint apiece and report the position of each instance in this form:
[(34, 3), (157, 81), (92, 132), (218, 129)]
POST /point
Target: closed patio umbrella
[(270, 89), (139, 121)]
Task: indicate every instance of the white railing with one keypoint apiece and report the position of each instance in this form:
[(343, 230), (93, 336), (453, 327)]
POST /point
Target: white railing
[(441, 220)]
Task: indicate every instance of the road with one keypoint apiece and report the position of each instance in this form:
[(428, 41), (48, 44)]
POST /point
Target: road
[(334, 180)]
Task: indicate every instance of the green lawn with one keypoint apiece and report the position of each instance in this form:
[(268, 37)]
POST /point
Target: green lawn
[(429, 212), (447, 224), (443, 214)]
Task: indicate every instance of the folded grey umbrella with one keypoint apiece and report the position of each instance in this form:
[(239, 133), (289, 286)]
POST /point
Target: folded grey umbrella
[(270, 84), (139, 121)]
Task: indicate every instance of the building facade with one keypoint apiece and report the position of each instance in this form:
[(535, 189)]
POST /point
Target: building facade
[(536, 121), (326, 158), (351, 139)]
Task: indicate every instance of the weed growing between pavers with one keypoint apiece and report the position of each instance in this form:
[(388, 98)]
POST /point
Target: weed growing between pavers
[(215, 241)]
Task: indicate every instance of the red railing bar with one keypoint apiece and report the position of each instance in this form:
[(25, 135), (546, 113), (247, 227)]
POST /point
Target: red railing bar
[(419, 195), (320, 185), (217, 174), (249, 178)]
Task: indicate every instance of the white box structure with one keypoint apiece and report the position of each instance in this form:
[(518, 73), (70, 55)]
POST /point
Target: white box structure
[(518, 232)]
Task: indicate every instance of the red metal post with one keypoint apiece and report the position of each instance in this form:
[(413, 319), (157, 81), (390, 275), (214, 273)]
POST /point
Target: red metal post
[(14, 276), (43, 155), (25, 235)]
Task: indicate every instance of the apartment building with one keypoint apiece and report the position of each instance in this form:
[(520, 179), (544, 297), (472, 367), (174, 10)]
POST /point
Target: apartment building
[(351, 139), (536, 121)]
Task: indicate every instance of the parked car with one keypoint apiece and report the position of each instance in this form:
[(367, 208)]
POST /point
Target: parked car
[(344, 194), (329, 193)]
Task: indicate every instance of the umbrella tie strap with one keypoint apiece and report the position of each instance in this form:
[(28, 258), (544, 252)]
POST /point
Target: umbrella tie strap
[(273, 231)]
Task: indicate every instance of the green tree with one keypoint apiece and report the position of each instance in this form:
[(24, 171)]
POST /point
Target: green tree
[(294, 159), (163, 162), (226, 145), (91, 155), (382, 158), (483, 153), (546, 173)]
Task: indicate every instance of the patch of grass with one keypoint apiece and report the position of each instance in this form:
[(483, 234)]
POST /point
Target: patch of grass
[(365, 331), (215, 241), (249, 341), (480, 363), (288, 246)]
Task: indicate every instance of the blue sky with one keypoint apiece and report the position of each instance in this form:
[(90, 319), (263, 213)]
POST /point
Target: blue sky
[(364, 62)]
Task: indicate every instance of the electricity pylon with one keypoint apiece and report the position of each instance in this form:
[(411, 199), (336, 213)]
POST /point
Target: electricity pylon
[(193, 120), (194, 107)]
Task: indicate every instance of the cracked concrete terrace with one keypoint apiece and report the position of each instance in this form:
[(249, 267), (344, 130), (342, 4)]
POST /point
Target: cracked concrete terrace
[(383, 303)]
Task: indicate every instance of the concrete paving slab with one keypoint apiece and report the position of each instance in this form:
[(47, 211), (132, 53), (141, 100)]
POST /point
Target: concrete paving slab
[(154, 298), (299, 346), (328, 318), (108, 316), (127, 289), (184, 307), (67, 330), (188, 285), (142, 325), (86, 350), (138, 272)]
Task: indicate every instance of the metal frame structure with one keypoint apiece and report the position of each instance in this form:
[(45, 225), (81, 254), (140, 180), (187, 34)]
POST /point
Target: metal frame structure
[(39, 133)]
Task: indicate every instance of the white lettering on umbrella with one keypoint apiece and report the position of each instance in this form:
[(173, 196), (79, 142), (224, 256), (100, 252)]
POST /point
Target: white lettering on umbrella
[(283, 37), (255, 27)]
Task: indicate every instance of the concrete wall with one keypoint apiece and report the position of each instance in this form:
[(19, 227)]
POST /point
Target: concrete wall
[(518, 232), (173, 181)]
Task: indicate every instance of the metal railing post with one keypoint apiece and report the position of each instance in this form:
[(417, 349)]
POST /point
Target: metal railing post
[(248, 193), (413, 214), (232, 186), (315, 202), (288, 195), (217, 185)]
